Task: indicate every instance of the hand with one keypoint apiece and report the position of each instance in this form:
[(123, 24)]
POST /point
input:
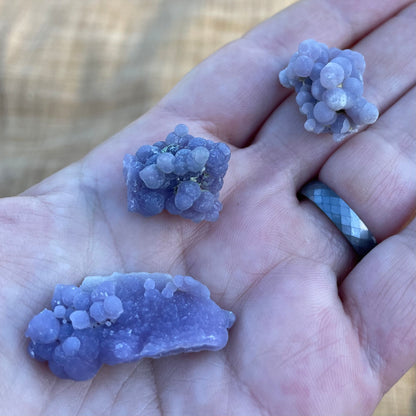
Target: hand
[(316, 333)]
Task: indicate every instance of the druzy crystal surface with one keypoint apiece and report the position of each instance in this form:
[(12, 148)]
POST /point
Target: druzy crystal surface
[(182, 174), (125, 317), (329, 87)]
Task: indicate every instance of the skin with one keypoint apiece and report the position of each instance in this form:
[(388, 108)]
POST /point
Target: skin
[(317, 331)]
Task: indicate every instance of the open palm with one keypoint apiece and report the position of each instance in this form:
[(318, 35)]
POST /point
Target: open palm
[(316, 332)]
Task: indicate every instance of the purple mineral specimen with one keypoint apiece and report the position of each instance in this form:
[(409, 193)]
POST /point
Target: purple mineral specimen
[(329, 86), (125, 317), (183, 174)]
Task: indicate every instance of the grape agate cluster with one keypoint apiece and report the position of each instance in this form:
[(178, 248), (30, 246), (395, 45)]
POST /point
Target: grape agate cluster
[(183, 174), (125, 317), (329, 87)]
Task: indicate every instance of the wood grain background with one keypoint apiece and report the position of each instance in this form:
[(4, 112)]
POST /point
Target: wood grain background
[(74, 72)]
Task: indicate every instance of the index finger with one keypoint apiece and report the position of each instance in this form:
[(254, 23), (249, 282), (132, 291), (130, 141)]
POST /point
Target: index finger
[(231, 93)]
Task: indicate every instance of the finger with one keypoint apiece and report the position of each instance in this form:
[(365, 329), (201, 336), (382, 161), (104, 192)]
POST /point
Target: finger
[(377, 177), (229, 95), (233, 92), (296, 339), (390, 72), (379, 296), (284, 151)]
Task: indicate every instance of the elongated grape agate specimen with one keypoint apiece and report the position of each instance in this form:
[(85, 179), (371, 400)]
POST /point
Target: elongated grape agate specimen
[(183, 174), (125, 317), (329, 86)]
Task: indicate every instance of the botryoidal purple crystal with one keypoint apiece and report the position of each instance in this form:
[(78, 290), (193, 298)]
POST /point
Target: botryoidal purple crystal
[(183, 174), (329, 86), (125, 317)]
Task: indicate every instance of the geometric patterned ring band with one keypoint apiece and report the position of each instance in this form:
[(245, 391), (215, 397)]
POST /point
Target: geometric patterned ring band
[(339, 212)]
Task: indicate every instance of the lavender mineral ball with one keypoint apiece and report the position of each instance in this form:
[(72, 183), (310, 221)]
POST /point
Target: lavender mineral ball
[(59, 311), (43, 328), (80, 319), (166, 162), (113, 307), (97, 311), (68, 293), (71, 346)]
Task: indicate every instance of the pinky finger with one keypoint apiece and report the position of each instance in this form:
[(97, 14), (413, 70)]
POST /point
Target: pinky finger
[(380, 297)]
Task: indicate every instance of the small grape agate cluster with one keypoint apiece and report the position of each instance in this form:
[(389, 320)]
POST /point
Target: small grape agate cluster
[(125, 317), (329, 87), (183, 174)]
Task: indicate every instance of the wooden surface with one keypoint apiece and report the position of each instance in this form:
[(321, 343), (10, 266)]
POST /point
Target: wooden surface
[(74, 72)]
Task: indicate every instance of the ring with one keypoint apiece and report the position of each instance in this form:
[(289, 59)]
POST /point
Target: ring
[(339, 212)]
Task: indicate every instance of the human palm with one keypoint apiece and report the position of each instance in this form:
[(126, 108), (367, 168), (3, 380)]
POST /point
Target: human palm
[(316, 333)]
